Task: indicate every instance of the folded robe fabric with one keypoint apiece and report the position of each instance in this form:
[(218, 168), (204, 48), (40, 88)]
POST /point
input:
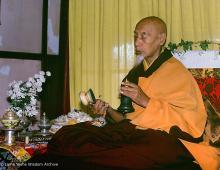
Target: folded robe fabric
[(120, 146), (175, 100)]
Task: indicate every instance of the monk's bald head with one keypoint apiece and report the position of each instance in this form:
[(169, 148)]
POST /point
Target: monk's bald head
[(159, 24)]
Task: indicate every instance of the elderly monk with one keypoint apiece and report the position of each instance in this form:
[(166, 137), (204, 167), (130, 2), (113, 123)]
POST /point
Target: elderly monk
[(164, 131)]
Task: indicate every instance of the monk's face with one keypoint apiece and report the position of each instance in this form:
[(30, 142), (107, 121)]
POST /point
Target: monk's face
[(148, 39)]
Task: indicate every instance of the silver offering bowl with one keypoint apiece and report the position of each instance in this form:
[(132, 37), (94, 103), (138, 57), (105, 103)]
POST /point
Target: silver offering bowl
[(44, 128), (44, 124)]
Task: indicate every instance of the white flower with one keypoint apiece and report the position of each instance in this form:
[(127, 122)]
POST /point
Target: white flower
[(13, 96), (16, 86), (19, 113), (36, 76), (38, 83), (33, 101), (23, 96), (42, 73), (42, 79), (39, 89), (28, 84), (10, 92), (48, 73), (31, 79)]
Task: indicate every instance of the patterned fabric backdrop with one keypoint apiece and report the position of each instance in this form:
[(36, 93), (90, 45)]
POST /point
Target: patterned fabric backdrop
[(209, 84)]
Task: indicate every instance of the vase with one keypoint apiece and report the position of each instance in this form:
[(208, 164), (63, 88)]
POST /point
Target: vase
[(24, 123)]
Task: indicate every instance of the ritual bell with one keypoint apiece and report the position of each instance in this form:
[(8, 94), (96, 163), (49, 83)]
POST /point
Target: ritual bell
[(126, 105)]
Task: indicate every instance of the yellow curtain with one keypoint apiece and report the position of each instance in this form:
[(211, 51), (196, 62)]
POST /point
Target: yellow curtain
[(101, 38)]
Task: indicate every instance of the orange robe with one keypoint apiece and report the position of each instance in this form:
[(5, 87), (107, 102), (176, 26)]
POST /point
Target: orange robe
[(175, 100)]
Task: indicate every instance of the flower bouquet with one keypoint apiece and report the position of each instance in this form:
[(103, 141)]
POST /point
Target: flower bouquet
[(23, 97)]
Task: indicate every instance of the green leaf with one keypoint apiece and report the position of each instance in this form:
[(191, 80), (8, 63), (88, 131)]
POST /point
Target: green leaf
[(172, 46), (204, 45)]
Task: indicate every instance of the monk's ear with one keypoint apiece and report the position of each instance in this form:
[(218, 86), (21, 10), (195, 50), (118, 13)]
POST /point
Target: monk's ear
[(162, 38)]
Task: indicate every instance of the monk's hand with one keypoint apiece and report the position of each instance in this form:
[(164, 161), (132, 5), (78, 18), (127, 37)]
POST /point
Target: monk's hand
[(135, 93), (99, 107)]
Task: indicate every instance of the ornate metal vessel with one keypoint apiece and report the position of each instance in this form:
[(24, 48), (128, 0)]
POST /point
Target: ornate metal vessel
[(10, 122), (44, 124)]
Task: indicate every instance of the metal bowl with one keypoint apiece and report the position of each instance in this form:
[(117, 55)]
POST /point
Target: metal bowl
[(10, 120)]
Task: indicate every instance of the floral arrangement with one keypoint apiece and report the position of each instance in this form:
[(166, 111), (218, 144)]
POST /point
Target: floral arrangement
[(23, 97)]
